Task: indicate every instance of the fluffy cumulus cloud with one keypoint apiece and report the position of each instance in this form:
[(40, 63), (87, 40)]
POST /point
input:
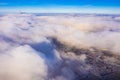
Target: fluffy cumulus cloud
[(59, 46), (24, 61)]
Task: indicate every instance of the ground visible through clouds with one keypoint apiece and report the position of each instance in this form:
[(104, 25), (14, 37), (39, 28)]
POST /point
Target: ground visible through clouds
[(59, 46)]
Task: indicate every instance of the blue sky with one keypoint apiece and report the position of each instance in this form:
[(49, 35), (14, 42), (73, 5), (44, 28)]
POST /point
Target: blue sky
[(80, 6)]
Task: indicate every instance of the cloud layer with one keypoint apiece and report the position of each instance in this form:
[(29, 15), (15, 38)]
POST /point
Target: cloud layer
[(56, 46)]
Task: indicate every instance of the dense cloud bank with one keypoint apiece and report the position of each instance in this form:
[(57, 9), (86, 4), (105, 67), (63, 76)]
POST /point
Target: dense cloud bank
[(59, 47)]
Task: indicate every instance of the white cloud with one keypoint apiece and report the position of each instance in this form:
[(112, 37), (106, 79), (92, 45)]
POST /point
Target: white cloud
[(28, 54), (22, 63)]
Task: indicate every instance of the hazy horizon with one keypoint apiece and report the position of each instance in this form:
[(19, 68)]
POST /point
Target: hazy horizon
[(61, 6)]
